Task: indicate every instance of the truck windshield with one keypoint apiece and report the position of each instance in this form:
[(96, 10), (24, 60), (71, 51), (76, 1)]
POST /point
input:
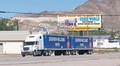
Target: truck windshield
[(30, 43)]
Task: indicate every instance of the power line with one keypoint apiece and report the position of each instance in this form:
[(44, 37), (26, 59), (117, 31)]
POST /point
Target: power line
[(110, 15), (53, 14), (9, 12)]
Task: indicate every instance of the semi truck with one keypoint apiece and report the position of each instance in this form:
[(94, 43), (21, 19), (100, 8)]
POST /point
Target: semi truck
[(46, 44)]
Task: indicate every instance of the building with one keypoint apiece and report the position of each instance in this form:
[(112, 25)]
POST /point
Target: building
[(11, 42), (105, 41)]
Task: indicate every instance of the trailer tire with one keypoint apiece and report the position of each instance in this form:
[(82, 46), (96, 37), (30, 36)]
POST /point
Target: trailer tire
[(81, 52), (66, 52), (89, 52), (73, 52), (57, 53)]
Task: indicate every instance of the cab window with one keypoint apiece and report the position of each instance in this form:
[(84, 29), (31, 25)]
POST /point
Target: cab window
[(40, 37)]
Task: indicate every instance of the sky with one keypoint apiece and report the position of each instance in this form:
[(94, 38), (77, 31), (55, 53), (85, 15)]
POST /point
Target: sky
[(36, 6)]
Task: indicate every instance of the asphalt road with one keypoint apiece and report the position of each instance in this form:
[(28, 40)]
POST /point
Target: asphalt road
[(96, 59)]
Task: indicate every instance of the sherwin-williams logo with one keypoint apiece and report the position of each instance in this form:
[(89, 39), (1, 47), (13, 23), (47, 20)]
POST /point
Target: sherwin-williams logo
[(90, 44), (81, 40), (60, 39), (68, 44)]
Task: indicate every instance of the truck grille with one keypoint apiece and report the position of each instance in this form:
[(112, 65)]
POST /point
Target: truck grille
[(26, 48)]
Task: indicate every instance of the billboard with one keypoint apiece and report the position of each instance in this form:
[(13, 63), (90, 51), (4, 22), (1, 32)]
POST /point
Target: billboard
[(79, 21)]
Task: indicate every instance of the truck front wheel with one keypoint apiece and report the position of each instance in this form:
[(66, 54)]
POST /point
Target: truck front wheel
[(23, 55)]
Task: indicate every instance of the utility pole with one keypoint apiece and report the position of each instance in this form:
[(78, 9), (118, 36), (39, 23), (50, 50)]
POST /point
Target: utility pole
[(99, 43), (87, 25), (17, 26)]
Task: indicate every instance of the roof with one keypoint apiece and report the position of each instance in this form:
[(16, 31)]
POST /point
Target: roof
[(13, 35), (100, 36)]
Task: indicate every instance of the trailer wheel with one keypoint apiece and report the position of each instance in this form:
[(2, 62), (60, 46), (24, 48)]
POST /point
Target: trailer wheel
[(81, 52), (66, 52), (57, 53), (89, 52), (73, 52)]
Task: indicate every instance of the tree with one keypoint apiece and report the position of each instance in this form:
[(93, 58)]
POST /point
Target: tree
[(7, 24), (15, 24)]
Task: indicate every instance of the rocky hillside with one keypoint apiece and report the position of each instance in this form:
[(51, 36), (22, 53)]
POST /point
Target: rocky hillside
[(108, 8), (31, 21)]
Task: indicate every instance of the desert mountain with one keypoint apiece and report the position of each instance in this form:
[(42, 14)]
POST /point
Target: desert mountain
[(109, 9)]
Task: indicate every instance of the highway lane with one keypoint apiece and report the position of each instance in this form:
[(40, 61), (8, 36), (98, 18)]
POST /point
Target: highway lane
[(72, 60)]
